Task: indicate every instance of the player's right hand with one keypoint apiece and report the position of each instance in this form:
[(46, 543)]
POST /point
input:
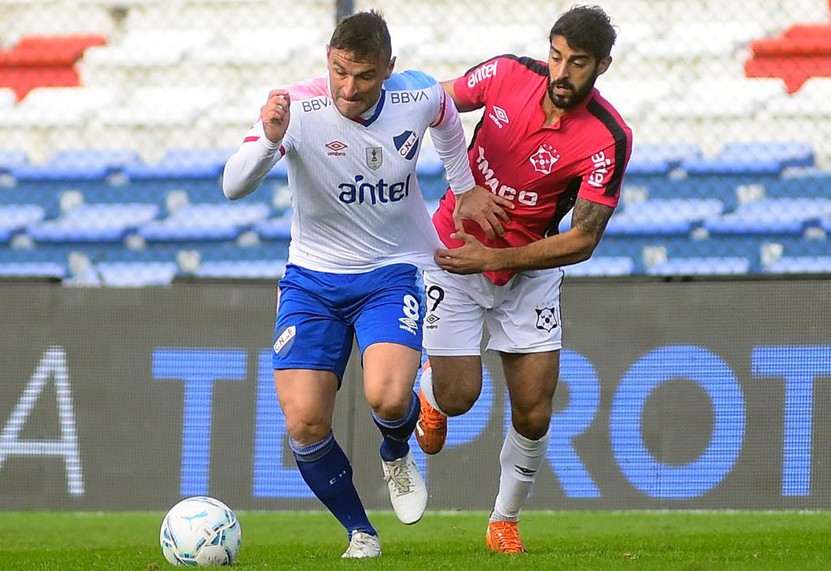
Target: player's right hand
[(485, 208), (275, 114)]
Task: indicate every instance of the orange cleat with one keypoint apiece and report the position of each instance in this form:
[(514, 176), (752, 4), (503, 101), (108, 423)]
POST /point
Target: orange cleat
[(503, 537), (431, 428)]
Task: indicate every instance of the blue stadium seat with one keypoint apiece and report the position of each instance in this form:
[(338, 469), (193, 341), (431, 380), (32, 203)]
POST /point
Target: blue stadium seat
[(242, 269), (37, 270), (800, 265), (606, 266), (660, 159), (136, 274), (771, 216), (663, 216), (706, 266), (94, 223), (275, 228), (752, 159), (32, 263), (16, 217), (195, 222), (77, 166), (177, 164)]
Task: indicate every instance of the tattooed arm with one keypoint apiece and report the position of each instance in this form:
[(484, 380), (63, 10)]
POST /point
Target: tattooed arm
[(588, 222)]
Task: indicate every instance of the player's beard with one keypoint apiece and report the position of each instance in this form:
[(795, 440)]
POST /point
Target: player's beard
[(574, 97)]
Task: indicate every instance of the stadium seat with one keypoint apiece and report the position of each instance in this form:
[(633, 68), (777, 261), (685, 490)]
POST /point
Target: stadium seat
[(664, 216), (606, 266), (77, 165), (16, 217), (771, 216), (195, 222), (136, 274), (94, 223), (242, 269), (177, 164), (275, 228), (33, 270), (660, 159), (709, 266), (800, 265)]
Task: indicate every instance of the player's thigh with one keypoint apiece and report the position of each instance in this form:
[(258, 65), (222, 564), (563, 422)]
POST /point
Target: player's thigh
[(457, 381), (527, 317), (388, 327), (455, 311), (307, 399), (308, 334)]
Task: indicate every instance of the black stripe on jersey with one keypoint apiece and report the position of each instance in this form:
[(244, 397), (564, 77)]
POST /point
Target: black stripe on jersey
[(619, 136), (565, 202)]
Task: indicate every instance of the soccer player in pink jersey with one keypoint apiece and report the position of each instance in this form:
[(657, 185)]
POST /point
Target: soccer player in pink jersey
[(548, 142)]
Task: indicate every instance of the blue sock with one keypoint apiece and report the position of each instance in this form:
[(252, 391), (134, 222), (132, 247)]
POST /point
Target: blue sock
[(328, 473), (396, 433)]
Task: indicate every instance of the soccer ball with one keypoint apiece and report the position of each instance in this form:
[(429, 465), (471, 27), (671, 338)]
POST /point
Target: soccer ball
[(201, 532)]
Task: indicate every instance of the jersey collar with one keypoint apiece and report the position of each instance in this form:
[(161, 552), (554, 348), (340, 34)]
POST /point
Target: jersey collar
[(370, 115)]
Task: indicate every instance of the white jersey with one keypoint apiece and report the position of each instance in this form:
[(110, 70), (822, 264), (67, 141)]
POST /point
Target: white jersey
[(356, 201)]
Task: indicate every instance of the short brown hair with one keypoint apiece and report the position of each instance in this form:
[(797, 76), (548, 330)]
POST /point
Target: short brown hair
[(363, 34)]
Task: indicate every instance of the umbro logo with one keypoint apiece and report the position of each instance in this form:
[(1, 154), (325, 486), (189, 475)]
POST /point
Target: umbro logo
[(499, 116), (336, 148), (523, 471)]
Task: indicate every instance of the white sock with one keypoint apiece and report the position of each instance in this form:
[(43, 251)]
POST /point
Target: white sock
[(520, 459), (426, 384)]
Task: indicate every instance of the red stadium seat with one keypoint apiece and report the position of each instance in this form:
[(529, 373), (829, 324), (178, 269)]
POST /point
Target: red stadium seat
[(44, 61), (801, 52)]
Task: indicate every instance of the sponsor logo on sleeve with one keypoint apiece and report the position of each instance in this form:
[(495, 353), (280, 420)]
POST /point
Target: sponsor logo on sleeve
[(601, 164), (483, 72)]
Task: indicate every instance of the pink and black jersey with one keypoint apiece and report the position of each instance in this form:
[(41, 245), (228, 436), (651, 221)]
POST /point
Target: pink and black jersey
[(541, 168)]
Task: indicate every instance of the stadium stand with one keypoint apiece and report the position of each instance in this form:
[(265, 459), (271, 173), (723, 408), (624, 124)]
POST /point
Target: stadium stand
[(730, 173)]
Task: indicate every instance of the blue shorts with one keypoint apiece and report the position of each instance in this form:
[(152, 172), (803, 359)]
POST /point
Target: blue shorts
[(319, 314)]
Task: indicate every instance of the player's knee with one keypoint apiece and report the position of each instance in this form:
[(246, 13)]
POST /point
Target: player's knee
[(532, 424), (307, 431), (458, 397)]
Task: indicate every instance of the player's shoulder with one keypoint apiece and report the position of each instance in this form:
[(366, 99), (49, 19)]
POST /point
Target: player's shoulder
[(603, 111), (309, 89), (509, 64), (410, 80)]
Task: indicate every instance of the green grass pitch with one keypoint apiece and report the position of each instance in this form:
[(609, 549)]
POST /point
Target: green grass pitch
[(581, 540)]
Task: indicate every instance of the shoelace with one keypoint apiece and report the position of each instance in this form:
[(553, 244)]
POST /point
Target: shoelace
[(431, 419), (399, 475), (507, 537)]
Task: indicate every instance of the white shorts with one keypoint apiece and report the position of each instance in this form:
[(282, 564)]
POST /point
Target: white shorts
[(523, 316)]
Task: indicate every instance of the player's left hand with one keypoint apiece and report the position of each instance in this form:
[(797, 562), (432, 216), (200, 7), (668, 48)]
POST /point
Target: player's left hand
[(483, 207), (470, 258)]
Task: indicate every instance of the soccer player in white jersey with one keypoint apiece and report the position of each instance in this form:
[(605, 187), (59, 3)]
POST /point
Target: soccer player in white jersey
[(360, 235)]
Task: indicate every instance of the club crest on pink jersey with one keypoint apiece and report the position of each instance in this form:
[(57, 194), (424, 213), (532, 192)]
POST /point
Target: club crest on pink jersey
[(544, 159)]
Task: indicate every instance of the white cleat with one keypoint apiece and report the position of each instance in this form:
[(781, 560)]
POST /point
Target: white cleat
[(408, 492), (362, 545)]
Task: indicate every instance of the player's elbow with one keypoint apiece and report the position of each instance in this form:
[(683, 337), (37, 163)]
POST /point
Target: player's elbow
[(232, 190)]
